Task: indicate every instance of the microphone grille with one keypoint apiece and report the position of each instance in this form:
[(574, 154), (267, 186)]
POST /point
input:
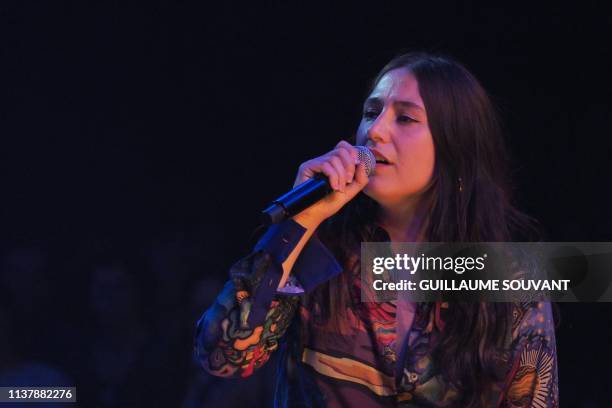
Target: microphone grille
[(366, 157)]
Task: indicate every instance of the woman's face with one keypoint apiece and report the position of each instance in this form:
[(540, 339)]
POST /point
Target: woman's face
[(394, 125)]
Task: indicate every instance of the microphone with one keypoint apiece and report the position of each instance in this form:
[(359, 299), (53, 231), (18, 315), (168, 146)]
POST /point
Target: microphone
[(309, 192)]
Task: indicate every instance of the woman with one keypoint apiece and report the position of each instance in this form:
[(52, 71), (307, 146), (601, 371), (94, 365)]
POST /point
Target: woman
[(440, 177)]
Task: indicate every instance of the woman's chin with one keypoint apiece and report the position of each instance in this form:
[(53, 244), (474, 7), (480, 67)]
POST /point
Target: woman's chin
[(375, 191), (386, 196)]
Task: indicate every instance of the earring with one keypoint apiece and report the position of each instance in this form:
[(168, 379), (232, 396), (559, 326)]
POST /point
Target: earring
[(460, 184)]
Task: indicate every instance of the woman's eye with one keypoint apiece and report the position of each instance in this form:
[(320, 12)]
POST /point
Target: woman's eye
[(370, 114), (405, 119)]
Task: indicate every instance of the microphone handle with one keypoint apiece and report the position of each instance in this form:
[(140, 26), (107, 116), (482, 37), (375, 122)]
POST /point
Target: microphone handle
[(297, 200)]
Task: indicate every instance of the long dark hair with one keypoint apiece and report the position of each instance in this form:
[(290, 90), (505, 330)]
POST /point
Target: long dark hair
[(468, 200)]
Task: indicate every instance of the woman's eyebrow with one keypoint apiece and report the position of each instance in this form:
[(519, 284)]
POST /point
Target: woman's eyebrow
[(373, 100), (376, 101), (409, 105)]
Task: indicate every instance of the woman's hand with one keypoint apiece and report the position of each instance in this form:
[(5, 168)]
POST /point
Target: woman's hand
[(346, 176)]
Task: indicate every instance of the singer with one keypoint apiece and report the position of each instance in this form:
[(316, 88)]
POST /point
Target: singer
[(440, 175)]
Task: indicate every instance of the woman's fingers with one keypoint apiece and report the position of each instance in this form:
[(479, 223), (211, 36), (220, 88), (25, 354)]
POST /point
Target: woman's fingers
[(343, 144), (350, 160), (346, 146), (345, 177), (348, 154), (340, 166), (361, 177), (337, 164), (359, 182), (332, 175)]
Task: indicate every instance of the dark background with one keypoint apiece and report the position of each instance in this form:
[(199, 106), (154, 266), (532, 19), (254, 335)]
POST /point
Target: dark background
[(139, 143)]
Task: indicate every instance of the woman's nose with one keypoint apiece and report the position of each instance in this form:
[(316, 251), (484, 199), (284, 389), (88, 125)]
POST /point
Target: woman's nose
[(379, 131)]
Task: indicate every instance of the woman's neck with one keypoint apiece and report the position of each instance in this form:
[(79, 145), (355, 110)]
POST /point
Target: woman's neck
[(404, 222)]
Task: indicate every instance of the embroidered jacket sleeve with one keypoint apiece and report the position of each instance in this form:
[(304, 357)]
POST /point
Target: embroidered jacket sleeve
[(238, 333), (532, 381)]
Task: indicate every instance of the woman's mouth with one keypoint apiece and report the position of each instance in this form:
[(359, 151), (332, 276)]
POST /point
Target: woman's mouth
[(382, 161), (380, 158)]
